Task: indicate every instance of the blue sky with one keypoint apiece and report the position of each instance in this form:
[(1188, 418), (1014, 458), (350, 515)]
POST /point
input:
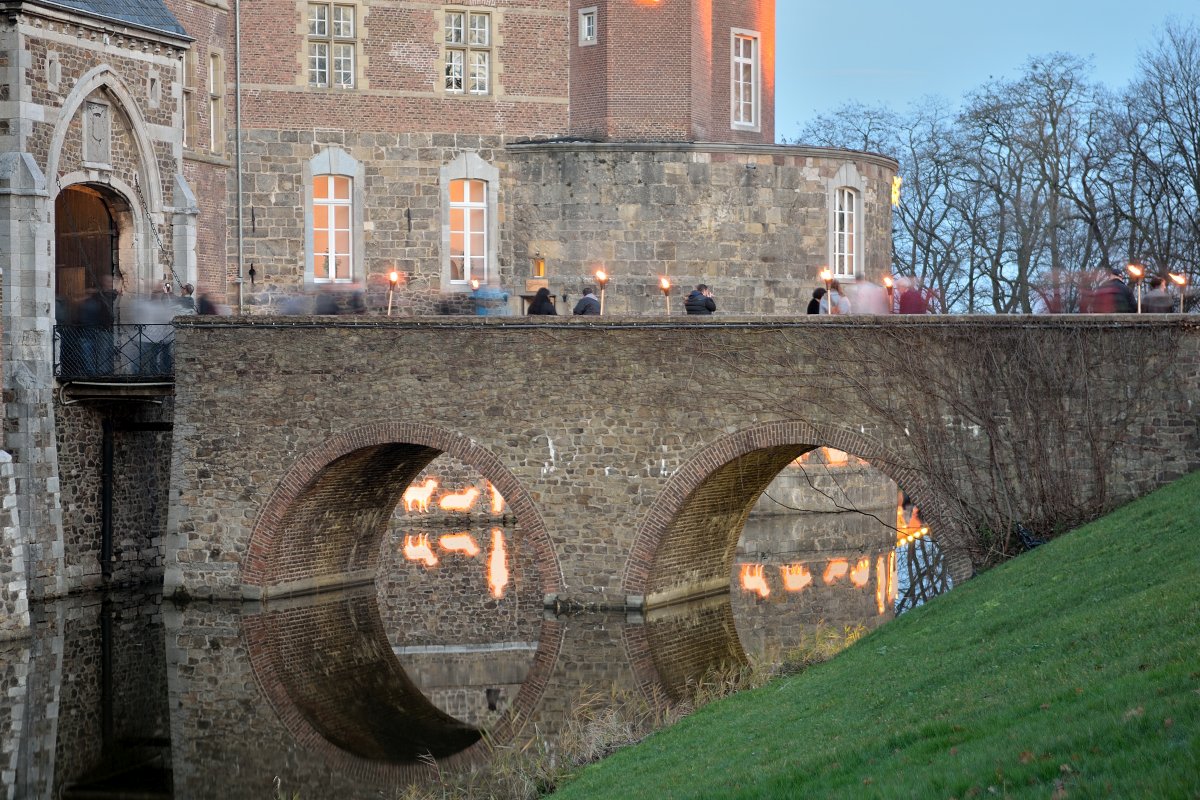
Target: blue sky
[(894, 53)]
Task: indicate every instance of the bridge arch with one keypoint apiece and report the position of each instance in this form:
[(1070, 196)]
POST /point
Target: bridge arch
[(323, 524), (686, 543)]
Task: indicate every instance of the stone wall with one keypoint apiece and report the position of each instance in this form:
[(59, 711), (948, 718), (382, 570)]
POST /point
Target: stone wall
[(14, 595), (140, 482), (752, 223), (632, 472)]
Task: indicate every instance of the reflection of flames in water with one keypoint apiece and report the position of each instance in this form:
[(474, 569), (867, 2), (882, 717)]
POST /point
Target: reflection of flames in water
[(497, 564), (417, 549), (459, 543), (753, 580), (796, 577)]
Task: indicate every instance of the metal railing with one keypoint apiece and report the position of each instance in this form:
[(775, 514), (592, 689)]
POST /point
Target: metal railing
[(122, 353)]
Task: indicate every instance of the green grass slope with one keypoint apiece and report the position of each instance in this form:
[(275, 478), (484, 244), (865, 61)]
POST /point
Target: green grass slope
[(1071, 672)]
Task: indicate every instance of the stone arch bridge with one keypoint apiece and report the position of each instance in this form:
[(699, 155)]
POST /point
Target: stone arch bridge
[(631, 451)]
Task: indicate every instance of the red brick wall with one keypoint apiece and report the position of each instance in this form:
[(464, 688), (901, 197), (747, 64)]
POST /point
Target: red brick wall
[(661, 70), (401, 86)]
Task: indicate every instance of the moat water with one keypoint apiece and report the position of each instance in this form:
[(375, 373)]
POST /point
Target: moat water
[(357, 694)]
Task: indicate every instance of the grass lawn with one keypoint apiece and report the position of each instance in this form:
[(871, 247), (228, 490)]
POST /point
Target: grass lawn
[(1070, 672)]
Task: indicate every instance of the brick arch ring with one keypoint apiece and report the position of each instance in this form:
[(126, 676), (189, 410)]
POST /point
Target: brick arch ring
[(430, 441), (779, 443), (692, 476), (270, 646)]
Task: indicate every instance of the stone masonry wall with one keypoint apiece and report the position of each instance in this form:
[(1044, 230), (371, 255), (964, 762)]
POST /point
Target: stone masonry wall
[(599, 464), (141, 474), (752, 223), (14, 595)]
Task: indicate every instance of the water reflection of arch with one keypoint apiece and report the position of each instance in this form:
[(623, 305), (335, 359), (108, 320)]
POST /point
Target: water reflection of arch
[(323, 524), (686, 543), (327, 668)]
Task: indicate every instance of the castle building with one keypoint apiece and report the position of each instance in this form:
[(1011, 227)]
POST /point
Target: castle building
[(274, 151)]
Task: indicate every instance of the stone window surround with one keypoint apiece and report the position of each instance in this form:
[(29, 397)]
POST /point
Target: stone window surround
[(336, 161), (847, 177), (495, 17), (360, 36), (594, 13), (216, 101), (470, 166), (756, 65)]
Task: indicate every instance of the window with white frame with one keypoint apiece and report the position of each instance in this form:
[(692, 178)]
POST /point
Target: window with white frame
[(845, 229), (744, 80), (332, 45), (588, 33), (468, 52), (468, 231), (332, 211)]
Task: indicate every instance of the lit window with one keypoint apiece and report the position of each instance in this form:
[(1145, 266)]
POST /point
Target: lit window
[(844, 229), (332, 45), (744, 87), (587, 26), (468, 52), (468, 231), (216, 103), (331, 208)]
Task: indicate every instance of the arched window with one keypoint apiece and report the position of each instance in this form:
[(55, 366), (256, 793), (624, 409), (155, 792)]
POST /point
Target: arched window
[(468, 231), (470, 204), (332, 248), (333, 211), (845, 231)]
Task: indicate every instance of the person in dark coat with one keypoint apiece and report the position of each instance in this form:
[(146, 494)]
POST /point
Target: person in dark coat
[(814, 305), (541, 304), (1113, 296), (1157, 301), (588, 304), (700, 301)]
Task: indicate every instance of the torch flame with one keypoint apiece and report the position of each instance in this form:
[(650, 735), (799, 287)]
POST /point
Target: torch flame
[(1178, 278), (835, 570), (497, 499), (754, 581), (860, 576), (459, 543), (664, 284), (497, 565), (418, 549), (796, 577)]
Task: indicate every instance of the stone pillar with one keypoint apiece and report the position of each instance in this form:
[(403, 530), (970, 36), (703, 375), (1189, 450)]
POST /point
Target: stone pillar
[(183, 227), (26, 242)]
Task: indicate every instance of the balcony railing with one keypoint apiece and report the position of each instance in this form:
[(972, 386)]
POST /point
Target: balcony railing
[(119, 353)]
